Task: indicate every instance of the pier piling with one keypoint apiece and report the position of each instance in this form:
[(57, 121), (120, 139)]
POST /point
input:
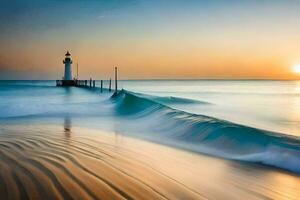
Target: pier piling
[(101, 86), (116, 80), (109, 89)]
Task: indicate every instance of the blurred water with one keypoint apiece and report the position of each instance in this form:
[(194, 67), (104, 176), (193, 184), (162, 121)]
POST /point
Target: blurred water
[(154, 110), (270, 105)]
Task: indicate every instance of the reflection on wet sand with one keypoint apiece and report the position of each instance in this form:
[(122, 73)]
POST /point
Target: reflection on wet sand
[(37, 163), (67, 127)]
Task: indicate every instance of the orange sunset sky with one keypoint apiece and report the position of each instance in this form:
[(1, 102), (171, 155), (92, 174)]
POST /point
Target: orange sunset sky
[(151, 39)]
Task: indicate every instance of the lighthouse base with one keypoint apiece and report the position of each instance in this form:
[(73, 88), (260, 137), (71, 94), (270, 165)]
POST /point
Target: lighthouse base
[(75, 83), (66, 83)]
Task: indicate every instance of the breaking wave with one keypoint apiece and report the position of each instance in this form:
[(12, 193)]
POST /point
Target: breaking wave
[(205, 134)]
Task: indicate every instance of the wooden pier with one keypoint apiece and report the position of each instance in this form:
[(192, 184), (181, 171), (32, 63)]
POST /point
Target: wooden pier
[(70, 81), (74, 83), (88, 83)]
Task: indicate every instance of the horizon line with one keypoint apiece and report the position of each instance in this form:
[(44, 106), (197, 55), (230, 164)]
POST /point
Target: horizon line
[(168, 79)]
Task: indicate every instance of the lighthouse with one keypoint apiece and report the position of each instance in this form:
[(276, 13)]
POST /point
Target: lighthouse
[(67, 80), (68, 67)]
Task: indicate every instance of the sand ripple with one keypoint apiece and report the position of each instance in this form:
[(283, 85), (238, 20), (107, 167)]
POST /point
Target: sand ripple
[(52, 165), (54, 162)]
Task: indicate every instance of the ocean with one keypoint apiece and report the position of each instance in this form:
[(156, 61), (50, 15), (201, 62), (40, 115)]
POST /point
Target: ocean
[(251, 123)]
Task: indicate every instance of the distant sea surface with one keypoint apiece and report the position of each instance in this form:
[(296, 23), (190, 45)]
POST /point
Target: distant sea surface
[(270, 105)]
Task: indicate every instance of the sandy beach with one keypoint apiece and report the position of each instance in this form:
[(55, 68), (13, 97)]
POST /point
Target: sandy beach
[(54, 162)]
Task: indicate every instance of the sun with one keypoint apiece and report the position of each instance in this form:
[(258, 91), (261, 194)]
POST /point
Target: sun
[(296, 69)]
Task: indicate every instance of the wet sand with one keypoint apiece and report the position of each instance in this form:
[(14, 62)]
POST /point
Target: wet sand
[(54, 162)]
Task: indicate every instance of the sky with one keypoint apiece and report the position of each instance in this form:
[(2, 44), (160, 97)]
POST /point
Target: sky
[(150, 39)]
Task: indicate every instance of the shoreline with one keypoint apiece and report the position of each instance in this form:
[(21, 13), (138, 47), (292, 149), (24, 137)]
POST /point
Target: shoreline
[(76, 162)]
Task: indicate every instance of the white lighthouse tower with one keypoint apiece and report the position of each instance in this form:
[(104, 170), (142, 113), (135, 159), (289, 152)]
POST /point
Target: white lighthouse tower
[(68, 67)]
